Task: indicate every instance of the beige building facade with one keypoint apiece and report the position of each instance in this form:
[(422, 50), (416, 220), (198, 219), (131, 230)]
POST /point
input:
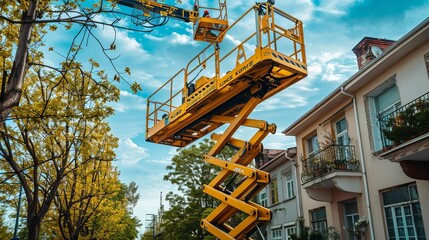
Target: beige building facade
[(363, 151)]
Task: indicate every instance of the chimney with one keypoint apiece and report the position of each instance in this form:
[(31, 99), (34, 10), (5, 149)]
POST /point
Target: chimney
[(369, 48)]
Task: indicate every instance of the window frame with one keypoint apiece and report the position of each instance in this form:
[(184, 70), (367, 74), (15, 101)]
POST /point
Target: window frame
[(263, 201), (373, 114), (290, 185), (412, 202), (289, 231), (342, 134), (274, 192), (319, 224), (278, 235), (353, 216), (312, 144)]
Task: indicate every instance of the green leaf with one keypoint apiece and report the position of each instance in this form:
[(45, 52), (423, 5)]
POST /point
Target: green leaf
[(53, 27), (128, 71), (136, 87)]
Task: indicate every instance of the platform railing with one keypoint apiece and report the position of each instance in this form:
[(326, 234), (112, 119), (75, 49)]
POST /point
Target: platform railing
[(274, 29), (163, 101)]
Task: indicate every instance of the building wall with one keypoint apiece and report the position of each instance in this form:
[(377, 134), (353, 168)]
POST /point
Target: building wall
[(412, 82), (411, 76), (325, 126), (285, 212)]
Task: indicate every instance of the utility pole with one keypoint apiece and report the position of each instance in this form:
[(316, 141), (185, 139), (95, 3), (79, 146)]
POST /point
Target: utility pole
[(160, 213), (153, 223)]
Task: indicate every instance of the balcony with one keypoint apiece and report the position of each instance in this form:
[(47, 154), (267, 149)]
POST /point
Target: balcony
[(333, 167), (405, 137), (406, 123)]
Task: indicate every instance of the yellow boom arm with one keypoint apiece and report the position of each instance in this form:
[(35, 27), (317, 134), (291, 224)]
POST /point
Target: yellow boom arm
[(207, 29)]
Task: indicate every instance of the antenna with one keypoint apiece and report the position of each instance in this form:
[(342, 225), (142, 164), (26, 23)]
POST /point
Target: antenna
[(376, 51)]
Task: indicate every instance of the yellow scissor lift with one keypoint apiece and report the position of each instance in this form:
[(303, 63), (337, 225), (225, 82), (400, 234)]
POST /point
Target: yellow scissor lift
[(269, 59)]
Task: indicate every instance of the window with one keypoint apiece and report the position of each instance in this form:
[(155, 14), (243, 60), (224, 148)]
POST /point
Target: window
[(263, 197), (312, 145), (290, 192), (351, 216), (274, 191), (382, 101), (318, 220), (387, 101), (277, 234), (289, 231), (403, 214), (341, 131), (342, 139)]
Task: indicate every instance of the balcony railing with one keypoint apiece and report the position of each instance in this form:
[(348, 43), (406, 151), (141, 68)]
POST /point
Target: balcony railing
[(331, 159), (407, 122)]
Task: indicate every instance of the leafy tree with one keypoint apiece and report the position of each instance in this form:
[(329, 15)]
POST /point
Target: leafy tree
[(4, 233), (303, 231), (24, 25), (55, 129), (147, 235), (81, 194), (189, 172)]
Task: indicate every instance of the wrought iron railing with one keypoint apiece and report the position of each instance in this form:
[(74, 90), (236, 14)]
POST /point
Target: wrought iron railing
[(330, 159), (405, 123)]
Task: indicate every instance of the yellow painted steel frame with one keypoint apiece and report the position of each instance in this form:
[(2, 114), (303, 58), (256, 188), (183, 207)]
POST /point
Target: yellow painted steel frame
[(229, 99), (252, 181), (211, 29), (185, 114)]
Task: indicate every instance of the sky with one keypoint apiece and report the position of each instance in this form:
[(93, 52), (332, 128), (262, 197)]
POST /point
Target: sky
[(331, 29)]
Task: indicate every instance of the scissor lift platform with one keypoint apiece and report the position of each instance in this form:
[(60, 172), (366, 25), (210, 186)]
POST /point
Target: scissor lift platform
[(268, 68), (276, 62), (267, 71)]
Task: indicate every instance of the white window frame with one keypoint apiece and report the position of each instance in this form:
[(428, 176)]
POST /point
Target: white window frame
[(374, 114), (353, 216), (290, 185), (311, 143), (263, 197), (289, 231), (402, 206), (276, 234), (343, 134)]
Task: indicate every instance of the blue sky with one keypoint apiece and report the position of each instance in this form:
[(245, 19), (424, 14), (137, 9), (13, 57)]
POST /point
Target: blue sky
[(331, 27)]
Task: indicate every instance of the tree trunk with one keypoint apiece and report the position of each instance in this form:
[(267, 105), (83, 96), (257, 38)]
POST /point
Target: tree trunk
[(12, 92), (33, 226)]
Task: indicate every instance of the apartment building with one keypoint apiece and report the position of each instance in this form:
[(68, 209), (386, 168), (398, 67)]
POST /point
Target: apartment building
[(363, 151), (281, 195)]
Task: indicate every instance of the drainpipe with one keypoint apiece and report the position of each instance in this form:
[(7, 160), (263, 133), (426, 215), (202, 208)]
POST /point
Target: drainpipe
[(365, 179), (297, 186)]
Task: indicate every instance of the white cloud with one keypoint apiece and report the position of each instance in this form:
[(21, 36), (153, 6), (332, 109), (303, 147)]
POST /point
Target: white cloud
[(181, 39), (152, 37), (232, 39), (124, 43), (303, 10), (129, 153), (129, 102), (174, 38), (336, 7), (283, 100)]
